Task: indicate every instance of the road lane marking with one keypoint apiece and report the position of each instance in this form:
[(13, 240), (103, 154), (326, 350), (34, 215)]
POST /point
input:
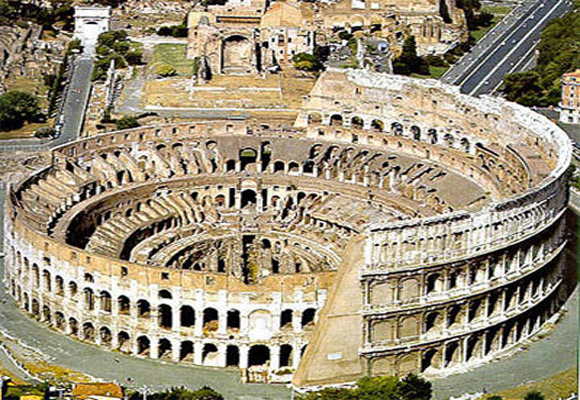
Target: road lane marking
[(502, 38), (518, 45)]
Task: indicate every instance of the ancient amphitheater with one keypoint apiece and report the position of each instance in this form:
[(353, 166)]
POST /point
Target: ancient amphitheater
[(396, 227)]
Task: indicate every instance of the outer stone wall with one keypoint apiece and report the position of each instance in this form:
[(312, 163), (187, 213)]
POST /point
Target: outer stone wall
[(227, 244)]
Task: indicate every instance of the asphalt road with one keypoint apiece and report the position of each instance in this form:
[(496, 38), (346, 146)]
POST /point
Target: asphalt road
[(506, 49), (71, 119)]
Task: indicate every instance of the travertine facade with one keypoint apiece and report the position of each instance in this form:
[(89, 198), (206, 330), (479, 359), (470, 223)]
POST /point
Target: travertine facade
[(423, 226)]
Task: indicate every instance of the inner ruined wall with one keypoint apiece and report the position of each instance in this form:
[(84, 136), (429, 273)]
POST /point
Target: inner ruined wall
[(433, 277)]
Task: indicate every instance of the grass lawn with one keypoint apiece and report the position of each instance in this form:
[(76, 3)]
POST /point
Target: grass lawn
[(434, 73), (498, 12), (174, 55), (561, 385), (26, 131)]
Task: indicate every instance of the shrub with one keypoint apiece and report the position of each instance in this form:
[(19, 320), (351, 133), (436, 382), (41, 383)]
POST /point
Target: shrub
[(127, 122), (164, 70)]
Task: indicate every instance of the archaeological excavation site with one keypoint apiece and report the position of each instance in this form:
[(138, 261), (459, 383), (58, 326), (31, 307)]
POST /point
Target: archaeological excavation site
[(394, 226)]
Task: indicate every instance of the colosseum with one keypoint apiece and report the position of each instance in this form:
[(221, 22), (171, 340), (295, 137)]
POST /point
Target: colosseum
[(395, 226)]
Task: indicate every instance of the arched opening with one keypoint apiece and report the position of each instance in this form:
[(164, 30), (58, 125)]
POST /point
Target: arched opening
[(230, 165), (285, 355), (60, 321), (165, 294), (89, 298), (308, 317), (72, 289), (46, 314), (186, 351), (432, 136), (105, 299), (258, 355), (73, 327), (124, 305), (377, 125), (210, 354), (143, 309), (247, 156), (143, 346), (232, 356), (59, 286), (106, 337), (187, 316), (397, 129), (357, 122), (248, 198), (210, 319), (233, 320), (336, 120), (278, 166), (165, 316), (416, 132), (164, 348), (286, 319), (89, 332), (123, 344)]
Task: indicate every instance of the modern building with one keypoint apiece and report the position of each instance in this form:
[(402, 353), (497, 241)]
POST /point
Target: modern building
[(570, 104)]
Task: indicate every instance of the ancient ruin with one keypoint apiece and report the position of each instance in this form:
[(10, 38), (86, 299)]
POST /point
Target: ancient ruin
[(250, 36), (422, 226)]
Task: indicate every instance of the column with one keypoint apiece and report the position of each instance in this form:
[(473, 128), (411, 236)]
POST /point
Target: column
[(274, 357)]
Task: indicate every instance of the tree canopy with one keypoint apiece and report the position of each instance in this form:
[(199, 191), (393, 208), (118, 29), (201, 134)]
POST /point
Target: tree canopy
[(205, 393), (18, 108), (409, 62), (384, 388)]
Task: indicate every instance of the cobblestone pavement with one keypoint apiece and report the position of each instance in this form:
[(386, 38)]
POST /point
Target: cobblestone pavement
[(555, 353)]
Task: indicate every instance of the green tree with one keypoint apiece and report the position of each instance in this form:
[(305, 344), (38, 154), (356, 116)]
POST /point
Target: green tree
[(415, 388), (495, 398), (558, 53), (534, 395), (127, 122), (18, 108), (307, 62), (409, 62), (164, 70)]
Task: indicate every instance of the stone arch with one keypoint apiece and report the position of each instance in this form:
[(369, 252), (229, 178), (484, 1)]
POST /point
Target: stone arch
[(143, 309), (143, 346), (105, 301), (164, 348), (286, 355), (186, 351), (210, 319), (210, 355), (259, 355), (233, 320), (124, 305), (357, 122), (249, 198), (308, 317), (377, 125), (409, 289), (123, 342), (187, 316), (232, 356), (105, 336), (165, 316), (237, 54), (336, 120), (73, 326), (88, 332), (60, 321), (416, 132)]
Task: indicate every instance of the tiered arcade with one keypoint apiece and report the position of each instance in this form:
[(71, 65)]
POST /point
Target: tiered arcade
[(423, 225)]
